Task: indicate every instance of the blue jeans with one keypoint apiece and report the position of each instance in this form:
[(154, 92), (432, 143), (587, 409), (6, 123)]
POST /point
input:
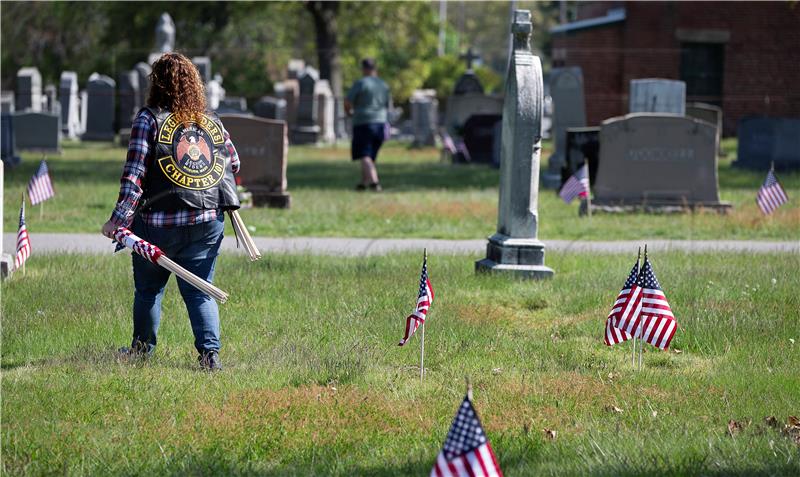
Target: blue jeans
[(195, 248)]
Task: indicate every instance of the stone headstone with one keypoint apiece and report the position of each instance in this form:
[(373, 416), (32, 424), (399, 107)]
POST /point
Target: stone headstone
[(763, 141), (295, 68), (468, 83), (307, 130), (569, 111), (515, 248), (8, 149), (326, 112), (655, 160), (289, 90), (37, 131), (70, 107), (6, 260), (655, 95), (7, 102), (479, 137), (269, 107), (165, 34), (710, 114), (263, 146), (143, 70), (99, 108), (203, 64), (215, 93), (583, 144), (84, 110), (50, 103), (130, 98), (233, 105), (461, 107), (29, 90), (424, 117)]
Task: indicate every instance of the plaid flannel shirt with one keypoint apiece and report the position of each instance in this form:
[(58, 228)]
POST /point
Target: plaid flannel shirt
[(142, 145)]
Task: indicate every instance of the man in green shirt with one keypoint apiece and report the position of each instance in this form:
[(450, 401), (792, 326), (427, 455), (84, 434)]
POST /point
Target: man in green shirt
[(368, 102)]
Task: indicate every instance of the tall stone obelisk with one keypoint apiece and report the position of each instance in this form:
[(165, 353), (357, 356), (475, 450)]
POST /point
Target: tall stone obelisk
[(515, 249)]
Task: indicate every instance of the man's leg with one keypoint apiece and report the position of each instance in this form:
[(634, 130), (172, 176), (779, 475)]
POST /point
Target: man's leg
[(369, 173)]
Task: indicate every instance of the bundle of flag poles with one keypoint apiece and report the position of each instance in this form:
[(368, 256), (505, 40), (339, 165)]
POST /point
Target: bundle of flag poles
[(641, 311), (243, 235), (154, 255)]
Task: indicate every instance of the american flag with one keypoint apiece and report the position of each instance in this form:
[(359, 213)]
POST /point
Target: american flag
[(625, 312), (577, 185), (424, 300), (771, 195), (625, 305), (658, 324), (40, 188), (467, 451), (23, 241), (144, 248)]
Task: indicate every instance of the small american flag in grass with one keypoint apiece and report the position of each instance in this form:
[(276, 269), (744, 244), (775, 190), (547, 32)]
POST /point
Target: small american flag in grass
[(40, 188), (657, 322), (466, 451), (625, 305), (576, 186), (23, 241), (771, 195), (424, 300)]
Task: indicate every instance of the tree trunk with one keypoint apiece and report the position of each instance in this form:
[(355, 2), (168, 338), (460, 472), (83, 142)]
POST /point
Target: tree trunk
[(330, 64)]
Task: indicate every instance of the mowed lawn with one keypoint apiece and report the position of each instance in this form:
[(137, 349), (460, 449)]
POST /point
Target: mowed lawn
[(315, 384), (423, 197)]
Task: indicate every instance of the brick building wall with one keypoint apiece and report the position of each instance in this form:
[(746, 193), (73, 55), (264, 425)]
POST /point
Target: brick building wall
[(759, 43)]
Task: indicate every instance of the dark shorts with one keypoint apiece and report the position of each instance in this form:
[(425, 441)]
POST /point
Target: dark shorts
[(367, 140)]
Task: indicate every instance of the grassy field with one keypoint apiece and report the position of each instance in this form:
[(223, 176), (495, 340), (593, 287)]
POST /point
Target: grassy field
[(423, 198), (315, 385)]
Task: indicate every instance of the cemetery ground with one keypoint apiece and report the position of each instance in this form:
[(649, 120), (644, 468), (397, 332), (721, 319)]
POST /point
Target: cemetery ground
[(315, 384), (423, 198)]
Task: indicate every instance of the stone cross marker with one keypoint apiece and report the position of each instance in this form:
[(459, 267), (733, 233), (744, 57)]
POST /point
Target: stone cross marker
[(515, 249)]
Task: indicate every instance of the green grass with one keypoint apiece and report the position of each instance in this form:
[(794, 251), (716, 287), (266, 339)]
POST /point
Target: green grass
[(423, 198), (314, 383)]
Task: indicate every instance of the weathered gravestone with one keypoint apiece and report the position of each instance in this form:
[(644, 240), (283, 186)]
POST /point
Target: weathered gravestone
[(165, 37), (657, 160), (270, 108), (262, 145), (763, 141), (99, 108), (424, 117), (143, 70), (289, 90), (480, 138), (70, 107), (569, 111), (233, 105), (655, 95), (29, 90), (295, 68), (5, 259), (708, 113), (130, 98), (8, 149), (84, 110), (326, 112), (583, 145), (515, 249), (37, 131), (468, 83), (203, 64), (307, 129), (50, 102), (460, 108), (215, 93)]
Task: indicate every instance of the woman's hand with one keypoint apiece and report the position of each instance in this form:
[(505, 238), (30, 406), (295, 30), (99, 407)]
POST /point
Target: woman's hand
[(109, 228)]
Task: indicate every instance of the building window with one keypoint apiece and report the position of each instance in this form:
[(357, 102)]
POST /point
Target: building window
[(702, 69)]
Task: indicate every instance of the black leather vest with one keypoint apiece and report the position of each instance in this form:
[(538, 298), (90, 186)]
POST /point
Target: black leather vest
[(191, 167)]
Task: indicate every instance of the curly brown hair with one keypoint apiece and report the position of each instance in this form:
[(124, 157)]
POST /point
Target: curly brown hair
[(175, 85)]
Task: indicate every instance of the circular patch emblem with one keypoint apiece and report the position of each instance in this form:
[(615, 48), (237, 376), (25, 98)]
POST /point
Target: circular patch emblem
[(193, 163)]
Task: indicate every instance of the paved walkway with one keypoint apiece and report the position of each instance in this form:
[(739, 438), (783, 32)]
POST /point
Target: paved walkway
[(354, 247)]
